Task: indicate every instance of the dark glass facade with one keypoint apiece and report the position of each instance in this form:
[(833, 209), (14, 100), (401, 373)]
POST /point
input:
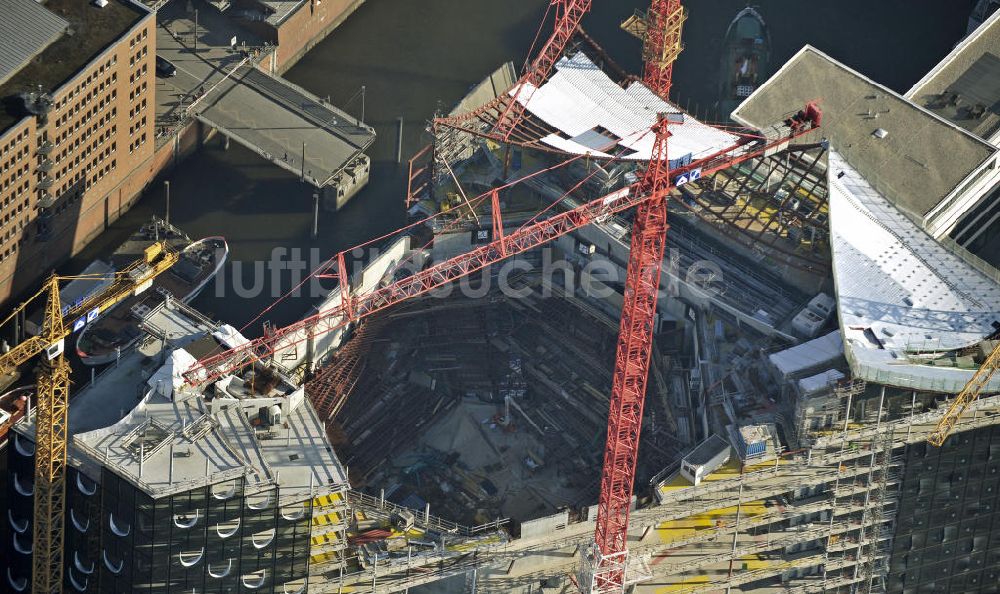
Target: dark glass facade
[(220, 538), (947, 536)]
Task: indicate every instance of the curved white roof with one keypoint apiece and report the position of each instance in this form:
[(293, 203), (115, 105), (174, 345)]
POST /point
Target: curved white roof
[(899, 291), (579, 98)]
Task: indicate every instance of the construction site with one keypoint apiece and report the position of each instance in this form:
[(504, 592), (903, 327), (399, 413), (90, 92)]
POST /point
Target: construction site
[(617, 349)]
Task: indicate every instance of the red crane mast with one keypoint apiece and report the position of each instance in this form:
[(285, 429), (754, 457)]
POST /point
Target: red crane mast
[(661, 46), (664, 27), (628, 389)]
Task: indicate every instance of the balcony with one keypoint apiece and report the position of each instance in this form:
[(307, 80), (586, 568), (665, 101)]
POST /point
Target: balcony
[(45, 147), (46, 199)]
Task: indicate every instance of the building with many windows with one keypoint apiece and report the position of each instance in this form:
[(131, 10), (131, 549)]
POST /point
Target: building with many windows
[(229, 488), (76, 122)]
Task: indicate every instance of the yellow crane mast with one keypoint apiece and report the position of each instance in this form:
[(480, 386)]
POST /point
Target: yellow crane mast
[(52, 407), (969, 394)]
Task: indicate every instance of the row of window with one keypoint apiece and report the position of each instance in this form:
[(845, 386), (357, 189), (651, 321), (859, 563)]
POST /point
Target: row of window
[(105, 84), (15, 143), (13, 212), (103, 171), (82, 85), (139, 73), (101, 139), (20, 171), (136, 57), (133, 146), (9, 199), (104, 102), (133, 95), (82, 155), (138, 108), (19, 154), (137, 39), (104, 120), (12, 249), (137, 127)]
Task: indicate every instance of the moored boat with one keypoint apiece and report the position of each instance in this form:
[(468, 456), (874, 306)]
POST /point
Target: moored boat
[(103, 340), (746, 54)]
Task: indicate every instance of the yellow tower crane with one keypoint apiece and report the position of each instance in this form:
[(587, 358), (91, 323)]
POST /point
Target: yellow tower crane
[(52, 388), (969, 394)]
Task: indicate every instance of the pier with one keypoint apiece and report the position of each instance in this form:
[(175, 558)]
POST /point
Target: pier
[(220, 84)]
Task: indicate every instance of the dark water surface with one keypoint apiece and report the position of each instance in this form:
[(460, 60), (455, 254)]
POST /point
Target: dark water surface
[(415, 56)]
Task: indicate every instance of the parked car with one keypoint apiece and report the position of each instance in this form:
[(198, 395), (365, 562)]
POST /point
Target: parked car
[(164, 68)]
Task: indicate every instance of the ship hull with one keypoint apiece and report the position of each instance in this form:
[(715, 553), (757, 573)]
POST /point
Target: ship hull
[(746, 58)]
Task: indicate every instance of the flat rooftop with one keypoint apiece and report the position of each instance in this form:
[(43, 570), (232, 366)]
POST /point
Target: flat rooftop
[(279, 10), (139, 420), (706, 450), (972, 71), (93, 29), (594, 114), (921, 159)]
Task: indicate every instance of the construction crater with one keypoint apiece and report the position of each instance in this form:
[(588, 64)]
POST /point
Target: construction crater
[(487, 407)]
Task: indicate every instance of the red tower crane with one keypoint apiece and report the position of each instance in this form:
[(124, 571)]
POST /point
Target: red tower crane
[(649, 194), (660, 30), (628, 388)]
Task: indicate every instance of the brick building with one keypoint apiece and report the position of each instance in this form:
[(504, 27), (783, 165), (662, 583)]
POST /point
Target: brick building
[(76, 124)]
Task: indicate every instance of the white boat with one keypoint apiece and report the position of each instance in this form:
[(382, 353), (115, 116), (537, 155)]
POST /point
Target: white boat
[(117, 329)]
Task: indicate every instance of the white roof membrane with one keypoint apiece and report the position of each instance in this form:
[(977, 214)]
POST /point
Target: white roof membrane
[(581, 101), (900, 293)]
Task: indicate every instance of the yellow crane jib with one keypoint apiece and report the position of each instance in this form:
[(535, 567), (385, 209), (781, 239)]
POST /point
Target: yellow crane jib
[(969, 394), (132, 280)]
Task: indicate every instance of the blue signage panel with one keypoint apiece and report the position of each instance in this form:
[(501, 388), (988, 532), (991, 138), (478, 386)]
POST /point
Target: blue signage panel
[(686, 177)]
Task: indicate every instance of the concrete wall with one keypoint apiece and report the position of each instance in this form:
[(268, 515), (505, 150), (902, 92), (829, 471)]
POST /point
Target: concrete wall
[(308, 26), (548, 526), (300, 349)]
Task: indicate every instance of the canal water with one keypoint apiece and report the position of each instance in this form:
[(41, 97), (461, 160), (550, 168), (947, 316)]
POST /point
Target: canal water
[(418, 56)]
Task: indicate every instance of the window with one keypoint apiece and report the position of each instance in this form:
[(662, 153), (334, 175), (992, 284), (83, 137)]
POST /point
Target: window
[(80, 565), (114, 565), (222, 570), (225, 529), (191, 559), (18, 583), (186, 520), (27, 488), (19, 527), (255, 580), (21, 544)]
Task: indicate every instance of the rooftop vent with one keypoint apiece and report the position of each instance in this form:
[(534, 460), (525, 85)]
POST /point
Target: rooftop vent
[(100, 3)]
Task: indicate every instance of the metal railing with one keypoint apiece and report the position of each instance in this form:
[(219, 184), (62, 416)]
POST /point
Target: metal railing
[(423, 516)]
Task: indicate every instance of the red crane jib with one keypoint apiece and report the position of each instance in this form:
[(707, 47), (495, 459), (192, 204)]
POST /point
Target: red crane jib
[(525, 238), (569, 14)]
